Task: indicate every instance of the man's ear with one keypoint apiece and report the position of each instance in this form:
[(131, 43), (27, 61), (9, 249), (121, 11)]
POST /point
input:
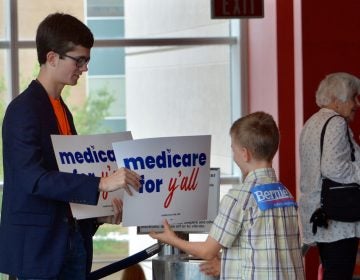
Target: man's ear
[(52, 58)]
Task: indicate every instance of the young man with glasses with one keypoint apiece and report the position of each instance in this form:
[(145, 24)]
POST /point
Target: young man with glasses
[(39, 238)]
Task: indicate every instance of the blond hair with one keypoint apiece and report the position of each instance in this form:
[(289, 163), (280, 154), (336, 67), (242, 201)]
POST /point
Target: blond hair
[(258, 133)]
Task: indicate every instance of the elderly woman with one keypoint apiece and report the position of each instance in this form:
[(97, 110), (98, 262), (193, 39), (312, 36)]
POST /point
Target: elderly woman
[(338, 243)]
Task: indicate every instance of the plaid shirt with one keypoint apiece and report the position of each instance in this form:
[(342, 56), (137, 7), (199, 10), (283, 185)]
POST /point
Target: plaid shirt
[(257, 244)]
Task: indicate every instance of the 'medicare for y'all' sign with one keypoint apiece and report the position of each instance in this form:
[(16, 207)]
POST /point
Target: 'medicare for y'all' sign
[(201, 226), (92, 155), (175, 175)]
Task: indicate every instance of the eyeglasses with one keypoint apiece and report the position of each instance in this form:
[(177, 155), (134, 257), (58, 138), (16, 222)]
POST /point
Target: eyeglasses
[(80, 61)]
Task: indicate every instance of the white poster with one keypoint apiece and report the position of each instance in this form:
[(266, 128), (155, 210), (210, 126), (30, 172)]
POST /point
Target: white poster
[(202, 226), (92, 155), (175, 175)]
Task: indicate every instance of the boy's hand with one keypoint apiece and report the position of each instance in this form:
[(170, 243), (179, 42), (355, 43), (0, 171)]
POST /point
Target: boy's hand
[(211, 267), (167, 236)]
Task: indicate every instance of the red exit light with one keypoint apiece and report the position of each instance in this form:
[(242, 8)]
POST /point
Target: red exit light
[(237, 9)]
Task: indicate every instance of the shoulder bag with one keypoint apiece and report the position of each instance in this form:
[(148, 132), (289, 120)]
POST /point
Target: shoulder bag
[(339, 202)]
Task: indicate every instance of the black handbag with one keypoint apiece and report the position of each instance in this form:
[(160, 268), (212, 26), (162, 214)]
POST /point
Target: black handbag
[(339, 202)]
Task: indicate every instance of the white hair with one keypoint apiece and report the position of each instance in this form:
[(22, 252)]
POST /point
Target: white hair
[(341, 86)]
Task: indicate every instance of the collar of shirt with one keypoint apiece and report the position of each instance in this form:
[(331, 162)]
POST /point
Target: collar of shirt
[(261, 176)]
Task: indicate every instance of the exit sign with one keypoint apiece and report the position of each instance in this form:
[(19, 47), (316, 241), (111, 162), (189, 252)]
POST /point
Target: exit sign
[(237, 9)]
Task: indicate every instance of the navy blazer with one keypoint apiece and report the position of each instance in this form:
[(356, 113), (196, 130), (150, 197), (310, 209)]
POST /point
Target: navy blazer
[(34, 228)]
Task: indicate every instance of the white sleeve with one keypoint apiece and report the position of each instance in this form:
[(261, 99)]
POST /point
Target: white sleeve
[(336, 161)]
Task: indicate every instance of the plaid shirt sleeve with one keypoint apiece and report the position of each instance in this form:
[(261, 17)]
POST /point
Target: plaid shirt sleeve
[(228, 222)]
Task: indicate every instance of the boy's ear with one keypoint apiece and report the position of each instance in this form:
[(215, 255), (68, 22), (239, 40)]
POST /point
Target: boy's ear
[(52, 57), (245, 153)]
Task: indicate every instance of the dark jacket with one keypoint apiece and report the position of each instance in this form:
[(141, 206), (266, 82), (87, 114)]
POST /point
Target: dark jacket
[(34, 226)]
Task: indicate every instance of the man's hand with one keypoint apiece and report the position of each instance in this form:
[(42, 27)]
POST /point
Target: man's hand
[(123, 178), (117, 217)]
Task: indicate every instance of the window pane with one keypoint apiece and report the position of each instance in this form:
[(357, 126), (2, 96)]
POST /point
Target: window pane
[(110, 86), (164, 18), (3, 18), (4, 96), (107, 61), (181, 91), (105, 8), (116, 87), (110, 244), (29, 67), (107, 28), (35, 11)]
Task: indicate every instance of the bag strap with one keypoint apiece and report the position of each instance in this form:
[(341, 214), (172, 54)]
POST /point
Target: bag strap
[(319, 217), (323, 135)]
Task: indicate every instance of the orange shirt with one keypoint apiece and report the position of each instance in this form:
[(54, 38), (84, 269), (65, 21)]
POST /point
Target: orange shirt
[(61, 118)]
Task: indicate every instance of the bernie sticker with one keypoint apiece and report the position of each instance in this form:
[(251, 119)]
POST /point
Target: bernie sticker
[(271, 196)]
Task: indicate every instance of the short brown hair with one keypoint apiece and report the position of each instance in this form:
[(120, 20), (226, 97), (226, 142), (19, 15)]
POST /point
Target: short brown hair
[(258, 133), (60, 33)]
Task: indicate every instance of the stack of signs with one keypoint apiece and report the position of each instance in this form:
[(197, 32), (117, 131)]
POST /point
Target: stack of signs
[(92, 155), (175, 174)]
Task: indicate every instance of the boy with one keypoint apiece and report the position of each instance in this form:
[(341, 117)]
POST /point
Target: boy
[(257, 226), (39, 238)]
